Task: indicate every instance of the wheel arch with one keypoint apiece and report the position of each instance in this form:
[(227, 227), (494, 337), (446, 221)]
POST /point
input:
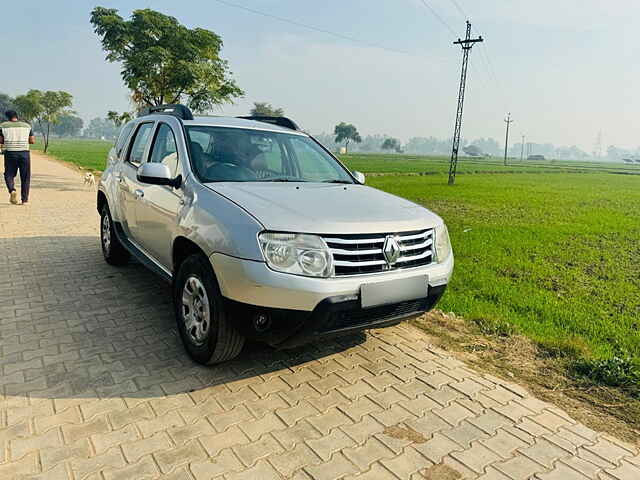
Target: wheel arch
[(101, 201), (182, 249)]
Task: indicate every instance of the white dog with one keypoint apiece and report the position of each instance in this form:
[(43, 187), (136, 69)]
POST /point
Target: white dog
[(89, 179)]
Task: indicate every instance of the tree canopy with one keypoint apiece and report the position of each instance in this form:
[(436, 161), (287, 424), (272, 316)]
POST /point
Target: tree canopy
[(391, 144), (46, 108), (164, 61), (264, 109), (119, 119), (101, 128), (6, 103), (346, 132), (68, 125)]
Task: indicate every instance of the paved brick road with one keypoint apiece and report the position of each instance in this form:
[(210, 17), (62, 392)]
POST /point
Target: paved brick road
[(94, 384)]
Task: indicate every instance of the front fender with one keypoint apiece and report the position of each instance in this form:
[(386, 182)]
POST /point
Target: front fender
[(217, 225)]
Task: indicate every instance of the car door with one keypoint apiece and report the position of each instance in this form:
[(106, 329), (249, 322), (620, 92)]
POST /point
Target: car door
[(157, 210), (129, 187)]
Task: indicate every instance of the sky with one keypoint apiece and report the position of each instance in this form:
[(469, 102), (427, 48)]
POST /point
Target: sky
[(565, 69)]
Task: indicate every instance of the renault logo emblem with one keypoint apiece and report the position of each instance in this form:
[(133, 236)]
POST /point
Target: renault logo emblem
[(391, 249)]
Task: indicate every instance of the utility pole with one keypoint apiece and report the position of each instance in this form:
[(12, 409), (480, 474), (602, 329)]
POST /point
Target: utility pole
[(508, 121), (466, 45), (522, 149)]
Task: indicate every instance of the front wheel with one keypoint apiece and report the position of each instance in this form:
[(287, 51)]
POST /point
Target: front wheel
[(202, 320), (113, 251)]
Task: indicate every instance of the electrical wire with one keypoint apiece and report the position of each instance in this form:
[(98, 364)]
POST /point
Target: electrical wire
[(484, 54), (457, 5), (311, 27), (435, 14)]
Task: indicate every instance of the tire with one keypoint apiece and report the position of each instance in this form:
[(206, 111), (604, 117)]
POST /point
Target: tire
[(113, 251), (203, 322)]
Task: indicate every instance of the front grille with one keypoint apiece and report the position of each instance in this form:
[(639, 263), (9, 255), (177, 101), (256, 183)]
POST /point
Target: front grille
[(362, 253), (363, 317)]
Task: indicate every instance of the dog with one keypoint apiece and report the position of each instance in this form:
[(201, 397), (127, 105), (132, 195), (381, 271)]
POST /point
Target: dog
[(89, 179)]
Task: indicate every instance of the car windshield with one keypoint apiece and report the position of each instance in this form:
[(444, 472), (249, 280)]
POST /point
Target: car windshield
[(222, 154)]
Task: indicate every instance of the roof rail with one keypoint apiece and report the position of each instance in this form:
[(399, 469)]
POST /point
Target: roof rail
[(280, 121), (175, 109)]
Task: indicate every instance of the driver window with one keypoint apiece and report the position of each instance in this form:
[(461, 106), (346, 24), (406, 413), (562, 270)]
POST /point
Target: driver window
[(164, 148)]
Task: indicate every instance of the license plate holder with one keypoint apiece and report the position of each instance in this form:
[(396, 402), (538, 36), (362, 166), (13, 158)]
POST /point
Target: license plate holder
[(393, 291)]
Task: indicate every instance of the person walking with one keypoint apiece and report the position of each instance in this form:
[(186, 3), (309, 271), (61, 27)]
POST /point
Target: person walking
[(15, 136)]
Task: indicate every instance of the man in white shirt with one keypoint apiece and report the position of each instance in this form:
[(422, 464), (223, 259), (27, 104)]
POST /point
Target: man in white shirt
[(16, 136)]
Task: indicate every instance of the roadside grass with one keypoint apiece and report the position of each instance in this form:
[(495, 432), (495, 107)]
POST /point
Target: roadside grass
[(554, 257), (88, 154)]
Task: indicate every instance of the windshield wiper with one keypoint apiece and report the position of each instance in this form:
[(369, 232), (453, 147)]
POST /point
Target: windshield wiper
[(337, 181), (282, 179)]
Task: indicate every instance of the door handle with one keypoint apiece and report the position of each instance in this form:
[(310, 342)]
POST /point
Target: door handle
[(139, 194)]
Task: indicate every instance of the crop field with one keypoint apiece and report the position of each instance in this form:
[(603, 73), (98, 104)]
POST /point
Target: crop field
[(555, 257), (551, 250), (89, 154)]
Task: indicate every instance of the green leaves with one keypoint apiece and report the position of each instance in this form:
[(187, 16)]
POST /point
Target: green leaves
[(164, 61), (44, 107), (264, 109), (346, 132)]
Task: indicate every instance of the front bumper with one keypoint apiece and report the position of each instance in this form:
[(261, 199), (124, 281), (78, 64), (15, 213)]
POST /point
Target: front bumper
[(252, 282), (283, 328)]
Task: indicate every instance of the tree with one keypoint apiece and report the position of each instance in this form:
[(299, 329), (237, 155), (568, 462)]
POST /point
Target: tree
[(164, 61), (29, 105), (472, 151), (6, 103), (101, 128), (346, 132), (391, 144), (264, 109), (45, 108), (68, 125), (119, 119)]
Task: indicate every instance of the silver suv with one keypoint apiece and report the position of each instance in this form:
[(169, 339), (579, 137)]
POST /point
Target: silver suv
[(263, 233)]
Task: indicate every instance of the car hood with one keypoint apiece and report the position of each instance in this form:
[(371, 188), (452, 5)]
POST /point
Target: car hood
[(326, 208)]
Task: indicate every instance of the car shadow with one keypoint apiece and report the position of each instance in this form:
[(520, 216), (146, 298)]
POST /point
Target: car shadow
[(73, 326)]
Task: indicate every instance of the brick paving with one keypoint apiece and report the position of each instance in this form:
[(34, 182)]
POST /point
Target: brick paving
[(94, 384)]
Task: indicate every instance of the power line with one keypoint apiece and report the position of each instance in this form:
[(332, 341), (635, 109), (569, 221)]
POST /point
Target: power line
[(484, 54), (311, 27), (435, 14), (448, 27), (457, 5)]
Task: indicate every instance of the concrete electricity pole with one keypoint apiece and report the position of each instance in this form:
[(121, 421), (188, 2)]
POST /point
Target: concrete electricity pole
[(508, 121), (522, 149), (466, 44)]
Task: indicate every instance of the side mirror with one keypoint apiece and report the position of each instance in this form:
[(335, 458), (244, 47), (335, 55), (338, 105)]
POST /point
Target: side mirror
[(157, 174), (359, 176)]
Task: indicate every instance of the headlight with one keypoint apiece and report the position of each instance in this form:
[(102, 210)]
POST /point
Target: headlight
[(443, 244), (297, 253)]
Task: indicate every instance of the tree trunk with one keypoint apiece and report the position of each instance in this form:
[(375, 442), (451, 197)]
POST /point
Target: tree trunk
[(46, 143), (346, 147)]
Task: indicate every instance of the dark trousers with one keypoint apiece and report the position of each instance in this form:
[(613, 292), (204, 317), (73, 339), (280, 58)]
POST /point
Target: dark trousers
[(14, 161)]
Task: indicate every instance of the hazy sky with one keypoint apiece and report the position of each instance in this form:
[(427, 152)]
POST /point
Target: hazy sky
[(565, 68)]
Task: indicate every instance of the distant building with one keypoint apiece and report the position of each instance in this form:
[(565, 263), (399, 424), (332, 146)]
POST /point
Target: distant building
[(535, 157), (627, 160)]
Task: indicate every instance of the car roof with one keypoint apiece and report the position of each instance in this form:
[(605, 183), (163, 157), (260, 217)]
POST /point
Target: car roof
[(233, 122)]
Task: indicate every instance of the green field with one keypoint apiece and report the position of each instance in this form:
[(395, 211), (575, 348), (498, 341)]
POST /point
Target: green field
[(550, 250), (89, 154), (555, 256)]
